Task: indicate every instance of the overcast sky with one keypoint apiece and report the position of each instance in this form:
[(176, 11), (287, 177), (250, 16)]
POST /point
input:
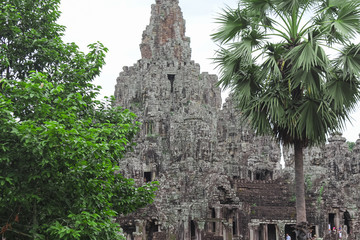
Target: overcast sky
[(119, 24)]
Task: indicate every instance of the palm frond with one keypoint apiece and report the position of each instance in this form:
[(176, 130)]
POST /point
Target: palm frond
[(273, 102), (228, 67), (311, 81), (313, 120), (274, 56), (349, 60), (259, 11), (340, 20), (348, 19), (267, 21), (287, 6), (271, 67), (342, 92), (232, 22), (254, 36), (237, 68), (241, 50), (258, 117), (303, 56), (261, 6), (247, 81)]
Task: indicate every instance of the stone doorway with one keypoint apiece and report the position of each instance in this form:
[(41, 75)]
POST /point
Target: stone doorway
[(271, 232), (193, 229), (347, 220), (289, 229), (332, 220)]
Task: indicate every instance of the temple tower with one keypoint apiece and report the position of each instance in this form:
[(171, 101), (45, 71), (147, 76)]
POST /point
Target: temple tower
[(193, 148), (178, 107), (217, 179), (164, 38)]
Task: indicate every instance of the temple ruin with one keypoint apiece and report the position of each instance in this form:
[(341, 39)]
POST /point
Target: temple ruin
[(217, 180)]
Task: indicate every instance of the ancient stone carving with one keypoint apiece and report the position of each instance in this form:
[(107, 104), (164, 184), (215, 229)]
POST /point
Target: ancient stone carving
[(218, 180)]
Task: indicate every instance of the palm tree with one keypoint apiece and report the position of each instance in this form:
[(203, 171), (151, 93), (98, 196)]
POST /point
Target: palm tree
[(293, 69)]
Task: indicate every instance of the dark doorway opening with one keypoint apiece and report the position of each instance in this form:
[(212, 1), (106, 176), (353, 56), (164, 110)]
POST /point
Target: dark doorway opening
[(263, 175), (129, 230), (313, 231), (213, 215), (193, 229), (151, 228), (235, 227), (347, 219), (271, 232), (250, 175), (147, 176), (289, 229), (332, 220), (171, 78), (261, 232)]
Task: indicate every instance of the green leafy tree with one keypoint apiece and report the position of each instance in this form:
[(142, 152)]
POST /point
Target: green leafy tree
[(275, 56), (59, 146), (29, 37)]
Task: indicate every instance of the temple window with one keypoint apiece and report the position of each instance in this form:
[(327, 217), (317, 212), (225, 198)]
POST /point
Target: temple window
[(149, 127), (193, 229), (171, 78), (147, 177)]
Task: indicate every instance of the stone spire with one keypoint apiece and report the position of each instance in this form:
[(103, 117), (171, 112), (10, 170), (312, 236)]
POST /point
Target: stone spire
[(164, 38)]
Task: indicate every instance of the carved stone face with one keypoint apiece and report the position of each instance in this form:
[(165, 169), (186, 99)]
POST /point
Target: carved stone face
[(164, 37)]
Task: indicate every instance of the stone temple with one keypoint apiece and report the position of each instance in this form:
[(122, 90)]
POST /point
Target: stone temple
[(217, 180)]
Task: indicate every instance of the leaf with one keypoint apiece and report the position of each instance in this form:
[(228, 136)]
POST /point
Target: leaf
[(232, 21)]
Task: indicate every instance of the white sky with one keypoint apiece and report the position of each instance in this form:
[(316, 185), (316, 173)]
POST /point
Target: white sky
[(119, 24)]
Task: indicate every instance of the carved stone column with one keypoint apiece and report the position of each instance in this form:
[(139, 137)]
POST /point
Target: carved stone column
[(200, 231), (227, 230), (140, 233), (337, 219), (218, 228), (187, 229), (254, 231), (264, 231), (280, 231)]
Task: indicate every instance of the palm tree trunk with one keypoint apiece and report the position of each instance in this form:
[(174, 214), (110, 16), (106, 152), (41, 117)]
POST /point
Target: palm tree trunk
[(300, 184)]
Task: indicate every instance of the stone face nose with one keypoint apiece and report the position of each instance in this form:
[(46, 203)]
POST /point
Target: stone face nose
[(164, 37)]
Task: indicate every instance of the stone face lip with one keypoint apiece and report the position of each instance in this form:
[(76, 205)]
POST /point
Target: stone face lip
[(165, 36)]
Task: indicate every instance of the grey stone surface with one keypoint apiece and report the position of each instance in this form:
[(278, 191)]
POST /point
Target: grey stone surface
[(217, 180)]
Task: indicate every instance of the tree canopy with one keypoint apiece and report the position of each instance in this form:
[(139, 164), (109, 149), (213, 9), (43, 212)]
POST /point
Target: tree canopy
[(59, 146), (276, 57)]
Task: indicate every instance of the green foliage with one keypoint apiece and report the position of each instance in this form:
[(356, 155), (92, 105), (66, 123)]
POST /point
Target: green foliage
[(29, 36), (308, 183), (351, 145), (321, 192), (59, 146), (275, 56)]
